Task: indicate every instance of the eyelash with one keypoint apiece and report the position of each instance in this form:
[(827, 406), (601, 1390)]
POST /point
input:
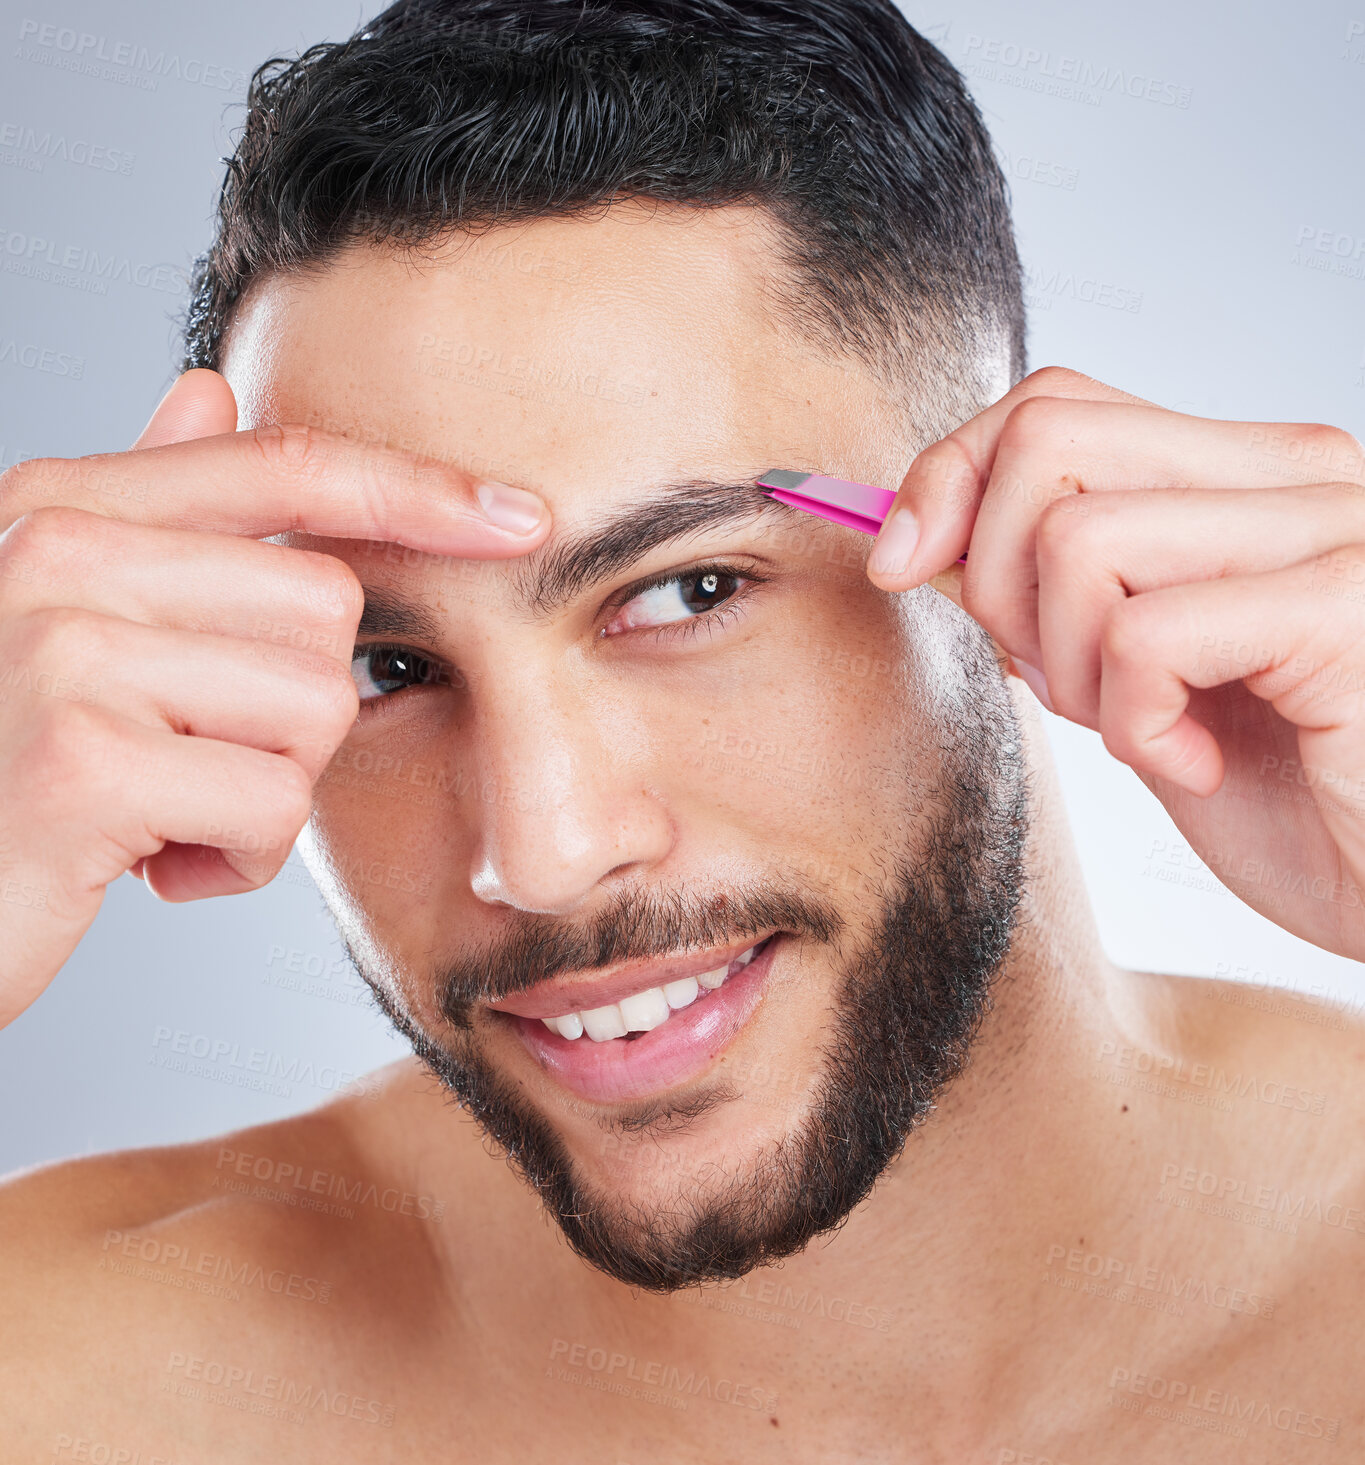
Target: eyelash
[(689, 627), (720, 616)]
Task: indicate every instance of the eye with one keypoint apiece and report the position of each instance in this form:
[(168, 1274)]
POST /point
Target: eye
[(380, 671), (678, 597)]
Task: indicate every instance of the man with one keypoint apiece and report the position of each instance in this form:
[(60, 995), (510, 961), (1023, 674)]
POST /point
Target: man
[(737, 907)]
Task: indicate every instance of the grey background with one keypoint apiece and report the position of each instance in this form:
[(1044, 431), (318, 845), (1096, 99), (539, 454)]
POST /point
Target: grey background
[(1173, 170)]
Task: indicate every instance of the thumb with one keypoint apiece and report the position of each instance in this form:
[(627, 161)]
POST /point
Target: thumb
[(199, 404)]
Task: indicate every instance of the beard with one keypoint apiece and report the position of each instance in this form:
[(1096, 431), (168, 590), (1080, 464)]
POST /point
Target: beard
[(907, 1004)]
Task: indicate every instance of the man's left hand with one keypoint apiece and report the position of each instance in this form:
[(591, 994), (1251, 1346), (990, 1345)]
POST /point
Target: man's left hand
[(1208, 622)]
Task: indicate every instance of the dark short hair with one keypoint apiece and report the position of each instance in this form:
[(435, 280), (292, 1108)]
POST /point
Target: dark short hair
[(835, 116)]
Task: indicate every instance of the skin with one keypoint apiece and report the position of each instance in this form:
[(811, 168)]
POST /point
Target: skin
[(962, 1330)]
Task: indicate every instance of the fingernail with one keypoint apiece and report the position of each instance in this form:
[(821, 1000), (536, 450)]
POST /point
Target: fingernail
[(895, 544), (510, 508), (1035, 681)]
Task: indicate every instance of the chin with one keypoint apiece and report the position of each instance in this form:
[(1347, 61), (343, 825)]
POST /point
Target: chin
[(689, 1154)]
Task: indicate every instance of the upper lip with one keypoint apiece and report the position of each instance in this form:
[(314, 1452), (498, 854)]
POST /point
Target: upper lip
[(567, 994)]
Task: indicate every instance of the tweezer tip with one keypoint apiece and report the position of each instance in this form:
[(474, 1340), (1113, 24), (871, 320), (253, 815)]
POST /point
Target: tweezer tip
[(782, 478)]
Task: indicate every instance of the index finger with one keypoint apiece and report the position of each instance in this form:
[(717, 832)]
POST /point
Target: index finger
[(929, 526), (284, 478)]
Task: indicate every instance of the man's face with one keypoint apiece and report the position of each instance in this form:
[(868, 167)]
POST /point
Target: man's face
[(685, 728)]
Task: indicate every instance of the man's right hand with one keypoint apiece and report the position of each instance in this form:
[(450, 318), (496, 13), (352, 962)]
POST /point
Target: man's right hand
[(143, 726)]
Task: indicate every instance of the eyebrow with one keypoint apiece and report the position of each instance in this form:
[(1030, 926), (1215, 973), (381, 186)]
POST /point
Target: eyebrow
[(557, 573), (387, 613)]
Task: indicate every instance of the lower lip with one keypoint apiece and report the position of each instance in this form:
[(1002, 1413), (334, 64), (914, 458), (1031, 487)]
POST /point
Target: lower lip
[(678, 1050)]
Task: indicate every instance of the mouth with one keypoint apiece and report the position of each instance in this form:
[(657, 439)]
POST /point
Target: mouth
[(649, 1039)]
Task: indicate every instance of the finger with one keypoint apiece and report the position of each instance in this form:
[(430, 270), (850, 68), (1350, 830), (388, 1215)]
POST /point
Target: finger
[(114, 791), (199, 404), (1051, 450), (1051, 435), (215, 583), (1093, 551), (274, 698), (194, 795), (1285, 634), (281, 478), (929, 525), (177, 873)]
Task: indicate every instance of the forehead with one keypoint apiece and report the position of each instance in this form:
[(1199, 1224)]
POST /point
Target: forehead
[(578, 357)]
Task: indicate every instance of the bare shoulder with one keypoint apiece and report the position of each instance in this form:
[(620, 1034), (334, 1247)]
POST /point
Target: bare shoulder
[(125, 1274), (1297, 1052), (48, 1209), (1264, 1093)]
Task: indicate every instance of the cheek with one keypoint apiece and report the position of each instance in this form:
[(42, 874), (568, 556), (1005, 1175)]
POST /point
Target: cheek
[(799, 755), (382, 839)]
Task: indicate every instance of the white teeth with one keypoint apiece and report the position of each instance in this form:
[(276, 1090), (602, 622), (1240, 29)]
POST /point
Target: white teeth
[(603, 1023), (645, 1010), (682, 993)]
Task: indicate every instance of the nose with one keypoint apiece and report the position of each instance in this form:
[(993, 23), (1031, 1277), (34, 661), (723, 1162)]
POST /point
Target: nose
[(565, 806)]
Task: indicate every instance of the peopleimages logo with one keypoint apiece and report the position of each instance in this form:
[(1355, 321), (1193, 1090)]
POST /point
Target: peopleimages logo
[(84, 267), (1143, 1279), (1180, 1393), (304, 1400), (227, 1061), (33, 357), (27, 147), (1043, 286), (1332, 251), (156, 1259), (614, 1372), (1237, 1085), (1354, 49), (1235, 1195), (1073, 78)]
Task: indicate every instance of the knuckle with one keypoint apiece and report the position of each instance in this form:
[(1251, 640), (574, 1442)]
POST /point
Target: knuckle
[(977, 599), (1035, 419), (71, 748), (988, 601), (47, 533), (1324, 433), (326, 700), (65, 633), (1128, 635), (1057, 380), (1118, 740), (338, 693), (1063, 527), (290, 450), (291, 801), (943, 474), (1339, 448), (1355, 456), (340, 595), (1067, 699), (25, 483)]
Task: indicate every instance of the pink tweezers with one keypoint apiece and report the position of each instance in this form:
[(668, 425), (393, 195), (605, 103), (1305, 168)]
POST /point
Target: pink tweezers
[(857, 505)]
